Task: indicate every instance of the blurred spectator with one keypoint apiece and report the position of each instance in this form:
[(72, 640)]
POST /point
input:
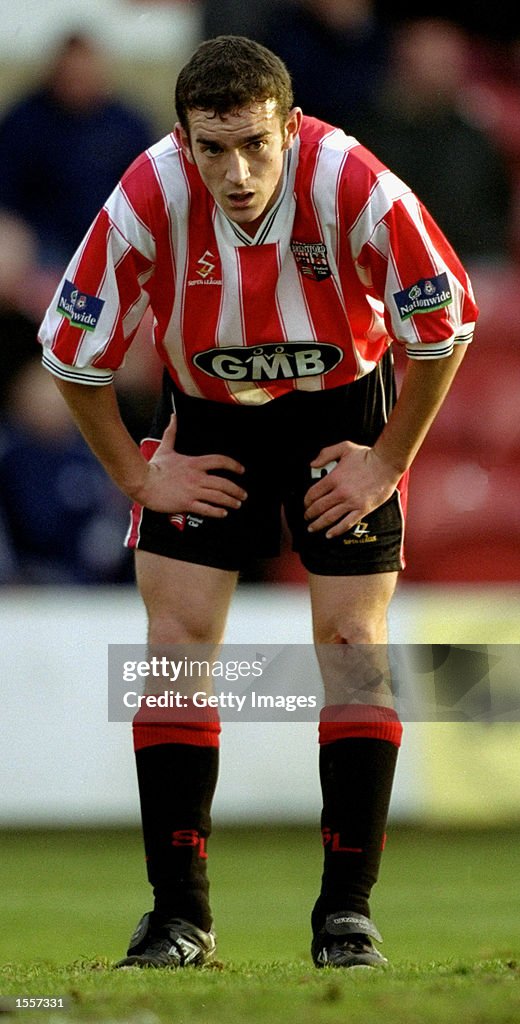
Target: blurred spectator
[(233, 17), (41, 452), (493, 94), (50, 484), (64, 146), (62, 521), (489, 21), (18, 328), (421, 129), (500, 24), (493, 101), (336, 52)]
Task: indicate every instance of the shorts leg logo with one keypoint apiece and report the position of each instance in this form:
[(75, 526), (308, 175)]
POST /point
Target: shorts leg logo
[(359, 534)]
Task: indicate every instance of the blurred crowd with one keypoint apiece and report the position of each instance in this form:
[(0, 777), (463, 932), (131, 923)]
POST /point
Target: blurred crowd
[(436, 99), (63, 147)]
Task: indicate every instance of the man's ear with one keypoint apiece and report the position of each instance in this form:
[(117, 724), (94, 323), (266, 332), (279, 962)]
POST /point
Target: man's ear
[(184, 140), (292, 127)]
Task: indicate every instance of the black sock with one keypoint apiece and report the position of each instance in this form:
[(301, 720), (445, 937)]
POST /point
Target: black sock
[(356, 778), (176, 786)]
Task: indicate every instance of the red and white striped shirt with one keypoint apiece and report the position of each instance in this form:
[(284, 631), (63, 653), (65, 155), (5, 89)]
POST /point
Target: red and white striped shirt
[(346, 262)]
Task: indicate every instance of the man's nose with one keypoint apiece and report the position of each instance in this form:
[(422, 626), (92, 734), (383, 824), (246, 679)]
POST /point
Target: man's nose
[(237, 168)]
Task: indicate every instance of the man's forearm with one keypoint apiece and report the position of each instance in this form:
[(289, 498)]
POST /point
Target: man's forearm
[(96, 413), (423, 390), (169, 482)]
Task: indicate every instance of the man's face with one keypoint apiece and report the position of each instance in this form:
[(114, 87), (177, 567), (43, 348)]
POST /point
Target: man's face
[(240, 157)]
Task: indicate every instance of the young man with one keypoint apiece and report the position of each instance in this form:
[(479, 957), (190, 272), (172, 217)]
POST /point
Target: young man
[(281, 260)]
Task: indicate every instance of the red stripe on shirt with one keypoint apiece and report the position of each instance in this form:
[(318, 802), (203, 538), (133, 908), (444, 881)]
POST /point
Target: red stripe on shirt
[(324, 305), (259, 268)]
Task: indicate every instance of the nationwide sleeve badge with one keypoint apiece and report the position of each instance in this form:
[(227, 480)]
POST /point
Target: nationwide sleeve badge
[(424, 296), (81, 310)]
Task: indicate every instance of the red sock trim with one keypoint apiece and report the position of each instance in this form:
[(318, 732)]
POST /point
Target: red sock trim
[(193, 735), (366, 721), (152, 726)]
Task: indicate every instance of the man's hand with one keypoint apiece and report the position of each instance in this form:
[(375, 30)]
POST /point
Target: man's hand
[(186, 483), (366, 477), (359, 483)]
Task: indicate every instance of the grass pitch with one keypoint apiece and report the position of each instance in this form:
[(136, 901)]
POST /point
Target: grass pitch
[(448, 905)]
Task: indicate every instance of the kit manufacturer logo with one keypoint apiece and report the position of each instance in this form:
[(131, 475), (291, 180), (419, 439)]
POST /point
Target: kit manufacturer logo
[(206, 265)]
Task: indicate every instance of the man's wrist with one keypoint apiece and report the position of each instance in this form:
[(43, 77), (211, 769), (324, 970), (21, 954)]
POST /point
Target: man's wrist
[(136, 485), (394, 466)]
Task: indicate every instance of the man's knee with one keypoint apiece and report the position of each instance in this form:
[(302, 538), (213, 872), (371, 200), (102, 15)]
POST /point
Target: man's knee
[(354, 632), (345, 628), (351, 610), (172, 629)]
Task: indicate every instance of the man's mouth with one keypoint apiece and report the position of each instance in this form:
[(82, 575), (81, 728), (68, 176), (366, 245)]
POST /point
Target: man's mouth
[(239, 199)]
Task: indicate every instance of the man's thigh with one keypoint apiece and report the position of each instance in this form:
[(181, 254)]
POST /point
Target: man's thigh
[(185, 602), (355, 412)]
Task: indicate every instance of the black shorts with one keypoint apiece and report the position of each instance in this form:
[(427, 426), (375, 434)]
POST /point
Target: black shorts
[(275, 443)]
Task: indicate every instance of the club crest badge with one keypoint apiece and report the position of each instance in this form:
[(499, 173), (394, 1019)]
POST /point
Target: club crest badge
[(311, 258)]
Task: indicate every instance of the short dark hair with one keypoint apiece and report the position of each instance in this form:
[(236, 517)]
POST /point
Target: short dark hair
[(230, 73)]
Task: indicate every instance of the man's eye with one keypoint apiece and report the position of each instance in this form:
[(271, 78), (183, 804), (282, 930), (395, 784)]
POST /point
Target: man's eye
[(212, 150), (256, 145)]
